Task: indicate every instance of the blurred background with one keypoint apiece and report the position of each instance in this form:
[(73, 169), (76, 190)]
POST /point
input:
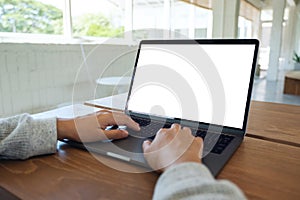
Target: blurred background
[(48, 45)]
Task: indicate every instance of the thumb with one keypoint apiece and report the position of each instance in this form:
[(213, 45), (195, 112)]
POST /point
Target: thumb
[(146, 145), (116, 134)]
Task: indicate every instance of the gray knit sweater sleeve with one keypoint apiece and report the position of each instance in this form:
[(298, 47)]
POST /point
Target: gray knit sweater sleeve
[(194, 181), (22, 136)]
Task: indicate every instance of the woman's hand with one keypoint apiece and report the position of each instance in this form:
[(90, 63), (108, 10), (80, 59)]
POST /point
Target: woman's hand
[(172, 146), (92, 127)]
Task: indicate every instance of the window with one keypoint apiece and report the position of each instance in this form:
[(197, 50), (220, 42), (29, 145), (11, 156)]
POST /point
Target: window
[(249, 20), (98, 18), (245, 28), (191, 20), (62, 20), (149, 19), (175, 19), (30, 16)]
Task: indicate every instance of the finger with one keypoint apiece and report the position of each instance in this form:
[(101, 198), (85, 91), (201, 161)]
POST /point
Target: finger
[(199, 141), (187, 129), (187, 132), (175, 127), (122, 119), (146, 145), (116, 134)]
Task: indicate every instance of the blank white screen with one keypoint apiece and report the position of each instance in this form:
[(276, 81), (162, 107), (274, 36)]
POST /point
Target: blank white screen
[(233, 63)]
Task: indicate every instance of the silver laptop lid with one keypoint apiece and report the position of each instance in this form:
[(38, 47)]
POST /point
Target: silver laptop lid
[(206, 81)]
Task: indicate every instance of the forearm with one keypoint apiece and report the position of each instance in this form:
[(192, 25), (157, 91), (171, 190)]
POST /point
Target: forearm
[(22, 137), (193, 180)]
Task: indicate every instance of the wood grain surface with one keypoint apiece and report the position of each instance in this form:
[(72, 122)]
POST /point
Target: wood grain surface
[(262, 169), (275, 122), (266, 166), (265, 170), (73, 174)]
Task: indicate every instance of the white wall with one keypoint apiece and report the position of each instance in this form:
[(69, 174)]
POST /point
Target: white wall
[(37, 77), (297, 34)]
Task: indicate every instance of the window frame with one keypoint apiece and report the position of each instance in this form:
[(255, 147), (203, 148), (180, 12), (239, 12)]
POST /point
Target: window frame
[(67, 36)]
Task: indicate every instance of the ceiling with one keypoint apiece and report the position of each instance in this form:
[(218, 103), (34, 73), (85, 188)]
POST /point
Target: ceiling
[(263, 4), (267, 4)]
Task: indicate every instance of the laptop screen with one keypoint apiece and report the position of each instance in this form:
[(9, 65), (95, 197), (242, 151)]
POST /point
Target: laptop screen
[(205, 82)]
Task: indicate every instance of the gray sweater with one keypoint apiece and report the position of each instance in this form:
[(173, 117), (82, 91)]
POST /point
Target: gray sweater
[(23, 136)]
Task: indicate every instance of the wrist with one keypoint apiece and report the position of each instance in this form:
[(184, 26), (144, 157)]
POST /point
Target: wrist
[(178, 162), (65, 128)]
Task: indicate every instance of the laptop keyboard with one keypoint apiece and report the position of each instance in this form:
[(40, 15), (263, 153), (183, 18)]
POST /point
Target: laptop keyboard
[(213, 142), (148, 128), (222, 142)]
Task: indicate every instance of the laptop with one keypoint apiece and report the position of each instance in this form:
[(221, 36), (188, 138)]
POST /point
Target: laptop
[(202, 84)]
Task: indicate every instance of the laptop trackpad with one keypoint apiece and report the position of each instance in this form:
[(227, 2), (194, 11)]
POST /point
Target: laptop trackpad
[(130, 144)]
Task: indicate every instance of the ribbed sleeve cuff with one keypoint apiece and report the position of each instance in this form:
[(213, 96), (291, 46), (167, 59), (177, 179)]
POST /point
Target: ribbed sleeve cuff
[(24, 136), (194, 181), (44, 136), (184, 171)]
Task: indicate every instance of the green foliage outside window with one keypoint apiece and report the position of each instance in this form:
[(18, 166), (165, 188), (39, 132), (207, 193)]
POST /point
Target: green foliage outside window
[(29, 16), (95, 25)]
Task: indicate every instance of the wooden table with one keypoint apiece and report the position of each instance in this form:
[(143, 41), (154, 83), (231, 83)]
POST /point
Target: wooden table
[(274, 122), (264, 167), (292, 83)]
